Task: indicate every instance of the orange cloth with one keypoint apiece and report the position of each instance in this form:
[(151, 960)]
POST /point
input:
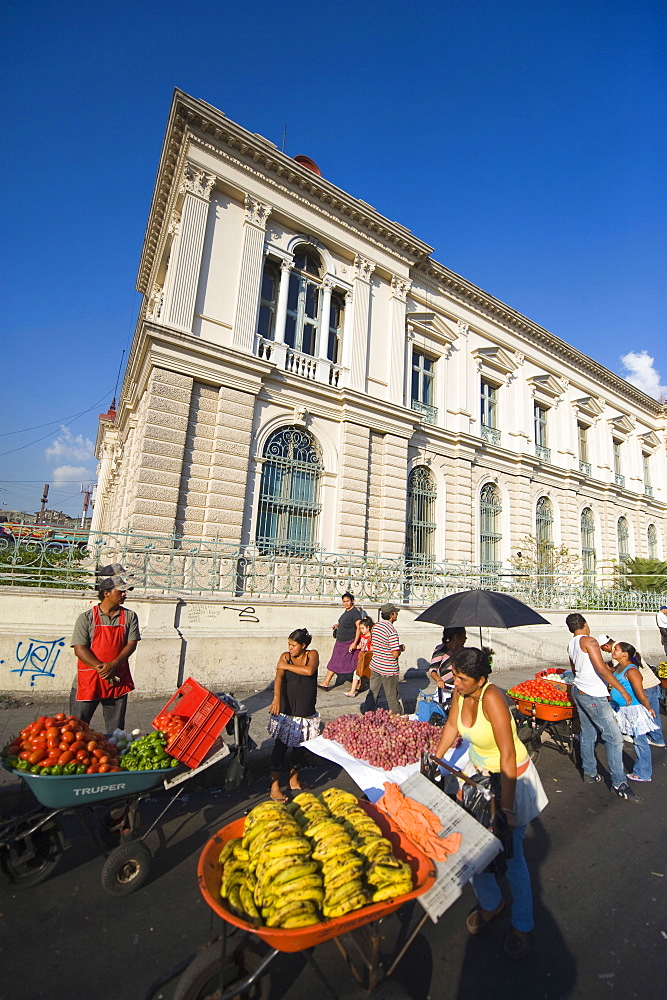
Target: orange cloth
[(418, 823)]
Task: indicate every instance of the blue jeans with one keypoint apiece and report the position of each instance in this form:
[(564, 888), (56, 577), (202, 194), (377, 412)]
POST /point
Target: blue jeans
[(488, 891), (643, 765), (653, 697), (596, 718)]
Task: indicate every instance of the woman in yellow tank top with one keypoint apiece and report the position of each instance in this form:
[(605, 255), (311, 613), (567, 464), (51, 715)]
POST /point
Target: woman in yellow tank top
[(480, 714)]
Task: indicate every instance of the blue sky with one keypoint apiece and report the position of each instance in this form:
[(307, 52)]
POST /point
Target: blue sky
[(523, 139)]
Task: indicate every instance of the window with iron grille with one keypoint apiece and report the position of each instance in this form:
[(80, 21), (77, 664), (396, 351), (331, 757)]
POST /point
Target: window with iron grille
[(652, 535), (303, 302), (420, 528), (544, 521), (490, 509), (542, 449), (588, 555), (623, 534), (421, 393), (289, 494), (266, 324)]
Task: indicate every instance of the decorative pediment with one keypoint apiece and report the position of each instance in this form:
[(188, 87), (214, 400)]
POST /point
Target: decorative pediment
[(495, 359), (432, 326), (650, 440), (622, 424), (546, 385), (588, 406)]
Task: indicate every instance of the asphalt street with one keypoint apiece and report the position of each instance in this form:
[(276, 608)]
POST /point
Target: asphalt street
[(597, 866)]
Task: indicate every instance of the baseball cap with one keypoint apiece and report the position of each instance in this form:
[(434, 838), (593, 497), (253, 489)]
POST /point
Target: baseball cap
[(109, 577), (604, 639), (389, 609), (109, 582)]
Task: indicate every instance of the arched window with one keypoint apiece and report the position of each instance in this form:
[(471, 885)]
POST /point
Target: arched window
[(289, 494), (623, 534), (266, 325), (544, 522), (652, 535), (420, 528), (588, 557), (303, 301), (490, 509)]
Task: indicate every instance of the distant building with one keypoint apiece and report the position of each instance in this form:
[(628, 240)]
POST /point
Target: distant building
[(305, 376)]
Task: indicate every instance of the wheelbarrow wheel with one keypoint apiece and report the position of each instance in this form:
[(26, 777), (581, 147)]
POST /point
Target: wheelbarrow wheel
[(33, 858), (126, 869), (531, 740), (201, 979)]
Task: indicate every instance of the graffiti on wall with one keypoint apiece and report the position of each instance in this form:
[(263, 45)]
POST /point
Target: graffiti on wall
[(38, 659)]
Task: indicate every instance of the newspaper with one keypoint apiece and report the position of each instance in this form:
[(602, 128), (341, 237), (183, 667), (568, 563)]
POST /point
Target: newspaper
[(478, 846), (371, 779)]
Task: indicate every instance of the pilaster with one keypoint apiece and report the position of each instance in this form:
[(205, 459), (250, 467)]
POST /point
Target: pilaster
[(397, 340), (185, 265), (363, 269), (250, 273)]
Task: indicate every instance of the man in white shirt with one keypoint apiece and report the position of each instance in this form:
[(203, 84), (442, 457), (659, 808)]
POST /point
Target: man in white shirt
[(661, 622), (592, 678)]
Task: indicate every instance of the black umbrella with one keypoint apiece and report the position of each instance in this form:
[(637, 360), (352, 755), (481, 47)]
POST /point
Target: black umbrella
[(481, 608)]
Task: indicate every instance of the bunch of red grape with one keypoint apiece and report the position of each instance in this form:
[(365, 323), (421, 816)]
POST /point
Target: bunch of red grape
[(382, 739)]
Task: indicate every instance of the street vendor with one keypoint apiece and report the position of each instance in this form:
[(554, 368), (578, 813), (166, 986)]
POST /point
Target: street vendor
[(103, 640)]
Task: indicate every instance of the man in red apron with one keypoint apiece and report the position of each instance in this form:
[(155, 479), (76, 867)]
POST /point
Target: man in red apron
[(104, 638)]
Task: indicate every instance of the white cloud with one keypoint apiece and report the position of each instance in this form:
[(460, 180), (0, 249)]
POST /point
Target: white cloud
[(643, 374), (70, 474), (67, 445)]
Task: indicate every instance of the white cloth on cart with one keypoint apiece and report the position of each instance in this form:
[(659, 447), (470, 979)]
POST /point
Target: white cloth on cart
[(371, 779)]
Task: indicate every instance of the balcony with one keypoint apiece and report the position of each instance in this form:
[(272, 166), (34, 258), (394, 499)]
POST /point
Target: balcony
[(491, 434), (429, 413), (584, 468), (648, 490), (619, 480), (544, 454), (297, 363)]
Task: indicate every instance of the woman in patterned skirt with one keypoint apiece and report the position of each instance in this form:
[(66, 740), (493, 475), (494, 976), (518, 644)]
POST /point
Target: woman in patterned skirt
[(344, 657), (293, 718)]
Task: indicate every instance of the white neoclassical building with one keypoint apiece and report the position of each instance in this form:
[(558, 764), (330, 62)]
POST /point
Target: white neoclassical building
[(305, 377)]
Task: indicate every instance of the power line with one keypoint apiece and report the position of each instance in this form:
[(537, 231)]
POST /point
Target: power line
[(44, 436), (72, 416)]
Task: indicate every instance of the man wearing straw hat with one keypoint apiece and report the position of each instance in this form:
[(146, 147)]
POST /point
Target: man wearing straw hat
[(103, 640)]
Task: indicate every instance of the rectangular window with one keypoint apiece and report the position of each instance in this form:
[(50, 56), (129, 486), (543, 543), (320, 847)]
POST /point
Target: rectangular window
[(489, 401), (582, 437), (619, 478), (422, 390), (542, 449), (646, 463)]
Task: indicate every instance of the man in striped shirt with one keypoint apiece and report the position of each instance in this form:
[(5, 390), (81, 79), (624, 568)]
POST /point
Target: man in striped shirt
[(384, 662)]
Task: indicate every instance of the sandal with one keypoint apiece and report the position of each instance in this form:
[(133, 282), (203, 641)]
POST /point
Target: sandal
[(478, 919), (517, 944), (283, 799), (351, 694), (324, 687)]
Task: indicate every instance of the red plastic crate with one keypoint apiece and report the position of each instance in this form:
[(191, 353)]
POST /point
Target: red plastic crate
[(206, 717)]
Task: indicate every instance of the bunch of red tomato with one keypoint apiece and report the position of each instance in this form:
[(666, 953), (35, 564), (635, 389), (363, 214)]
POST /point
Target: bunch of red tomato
[(170, 724), (542, 692), (61, 744)]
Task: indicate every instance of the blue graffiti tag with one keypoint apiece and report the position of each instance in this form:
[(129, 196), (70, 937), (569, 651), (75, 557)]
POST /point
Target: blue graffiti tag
[(39, 659)]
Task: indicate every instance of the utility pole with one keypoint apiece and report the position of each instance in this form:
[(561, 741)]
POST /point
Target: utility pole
[(86, 489), (45, 495)]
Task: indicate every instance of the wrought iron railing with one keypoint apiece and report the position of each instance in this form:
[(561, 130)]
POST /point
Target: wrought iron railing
[(182, 566), (430, 413), (584, 468), (490, 434), (619, 480), (648, 490), (544, 454)]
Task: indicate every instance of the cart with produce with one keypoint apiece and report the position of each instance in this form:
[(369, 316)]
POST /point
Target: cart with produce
[(545, 714), (103, 781)]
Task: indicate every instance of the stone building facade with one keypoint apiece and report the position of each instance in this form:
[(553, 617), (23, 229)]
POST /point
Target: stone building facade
[(306, 377)]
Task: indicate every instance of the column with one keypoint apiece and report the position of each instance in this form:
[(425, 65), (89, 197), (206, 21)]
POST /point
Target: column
[(325, 311), (286, 267), (399, 295), (196, 188), (363, 270), (250, 276)]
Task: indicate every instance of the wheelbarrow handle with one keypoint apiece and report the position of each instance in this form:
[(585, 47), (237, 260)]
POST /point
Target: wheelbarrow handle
[(488, 795)]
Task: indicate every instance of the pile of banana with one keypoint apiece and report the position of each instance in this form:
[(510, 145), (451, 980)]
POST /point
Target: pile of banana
[(314, 858)]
